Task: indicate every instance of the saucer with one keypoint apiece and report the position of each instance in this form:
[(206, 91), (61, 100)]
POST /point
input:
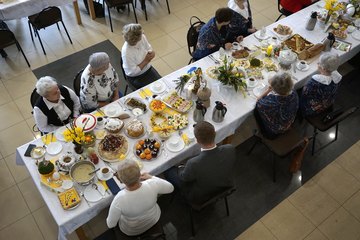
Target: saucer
[(67, 184), (86, 119), (93, 195), (112, 111), (54, 148), (160, 90), (178, 148), (304, 69), (101, 176), (258, 36), (248, 85), (37, 152), (59, 133), (258, 91), (356, 35)]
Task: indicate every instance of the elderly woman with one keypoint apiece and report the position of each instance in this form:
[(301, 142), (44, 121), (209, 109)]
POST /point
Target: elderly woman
[(241, 23), (276, 108), (134, 208), (213, 34), (56, 106), (319, 93), (99, 83), (137, 54)]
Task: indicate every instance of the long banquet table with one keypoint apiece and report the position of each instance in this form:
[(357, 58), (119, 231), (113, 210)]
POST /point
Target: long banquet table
[(239, 108), (14, 9)]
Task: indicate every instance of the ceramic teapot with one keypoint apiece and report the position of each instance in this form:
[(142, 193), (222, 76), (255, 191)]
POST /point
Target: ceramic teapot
[(219, 112)]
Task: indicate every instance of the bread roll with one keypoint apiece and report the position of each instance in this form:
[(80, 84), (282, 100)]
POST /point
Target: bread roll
[(311, 52)]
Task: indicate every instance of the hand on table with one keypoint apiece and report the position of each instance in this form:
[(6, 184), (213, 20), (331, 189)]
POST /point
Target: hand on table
[(228, 46), (239, 38), (145, 176)]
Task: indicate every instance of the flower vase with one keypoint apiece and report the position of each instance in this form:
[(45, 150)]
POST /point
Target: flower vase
[(328, 17), (78, 148)]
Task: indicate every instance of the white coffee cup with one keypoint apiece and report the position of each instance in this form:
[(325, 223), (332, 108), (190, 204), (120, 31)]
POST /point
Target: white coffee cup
[(262, 32), (251, 82), (105, 172), (302, 65), (191, 136), (100, 121), (235, 46), (174, 141), (157, 86)]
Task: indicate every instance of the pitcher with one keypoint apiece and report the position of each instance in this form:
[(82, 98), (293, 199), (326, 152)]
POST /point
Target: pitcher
[(328, 42), (219, 112), (199, 112)]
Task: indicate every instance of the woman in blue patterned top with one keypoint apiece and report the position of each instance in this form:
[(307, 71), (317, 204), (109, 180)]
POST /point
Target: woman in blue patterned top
[(212, 35), (241, 22), (276, 108), (319, 93)]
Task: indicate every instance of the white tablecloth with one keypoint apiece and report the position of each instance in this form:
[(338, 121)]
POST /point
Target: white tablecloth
[(239, 108), (14, 9)]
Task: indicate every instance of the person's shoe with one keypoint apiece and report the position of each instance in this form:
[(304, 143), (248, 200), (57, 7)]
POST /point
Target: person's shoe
[(3, 53)]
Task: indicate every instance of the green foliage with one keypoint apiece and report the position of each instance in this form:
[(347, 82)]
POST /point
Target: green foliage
[(180, 83)]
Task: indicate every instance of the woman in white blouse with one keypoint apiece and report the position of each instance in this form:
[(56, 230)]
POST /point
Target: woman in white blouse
[(242, 7), (137, 54), (99, 84), (56, 106), (134, 209)]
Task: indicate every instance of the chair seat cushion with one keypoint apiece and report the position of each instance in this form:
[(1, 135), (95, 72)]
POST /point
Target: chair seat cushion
[(283, 144)]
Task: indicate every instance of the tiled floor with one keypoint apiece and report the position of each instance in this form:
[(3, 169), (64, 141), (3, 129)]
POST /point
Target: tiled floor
[(333, 212)]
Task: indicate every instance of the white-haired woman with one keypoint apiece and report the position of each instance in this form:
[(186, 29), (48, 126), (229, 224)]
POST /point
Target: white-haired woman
[(137, 54), (99, 83), (56, 106), (276, 108), (134, 209), (319, 93)]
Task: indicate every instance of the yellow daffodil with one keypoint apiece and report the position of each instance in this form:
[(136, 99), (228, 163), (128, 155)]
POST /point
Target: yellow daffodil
[(83, 138)]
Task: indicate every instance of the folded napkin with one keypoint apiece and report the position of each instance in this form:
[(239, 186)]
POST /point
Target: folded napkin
[(48, 138), (104, 184), (145, 92), (185, 138)]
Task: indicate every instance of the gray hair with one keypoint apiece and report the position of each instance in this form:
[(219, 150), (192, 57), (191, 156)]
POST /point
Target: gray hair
[(132, 33), (98, 60), (282, 83), (329, 62), (129, 172), (44, 85)]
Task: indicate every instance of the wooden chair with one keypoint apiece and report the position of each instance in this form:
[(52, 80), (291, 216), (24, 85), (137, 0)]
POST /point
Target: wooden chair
[(318, 123), (283, 12), (282, 146), (156, 232), (7, 38), (128, 82), (198, 207), (143, 7), (43, 19), (116, 4), (76, 82)]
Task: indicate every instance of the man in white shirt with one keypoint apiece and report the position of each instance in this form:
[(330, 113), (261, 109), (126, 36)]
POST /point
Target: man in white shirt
[(56, 106), (136, 54)]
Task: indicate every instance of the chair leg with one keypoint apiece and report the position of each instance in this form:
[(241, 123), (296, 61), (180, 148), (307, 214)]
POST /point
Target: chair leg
[(19, 47), (57, 24), (192, 222), (143, 7), (126, 88), (132, 4), (278, 18), (66, 31), (32, 38), (167, 3), (191, 59), (274, 167), (336, 132), (313, 145), (111, 27), (227, 206), (42, 46), (253, 146)]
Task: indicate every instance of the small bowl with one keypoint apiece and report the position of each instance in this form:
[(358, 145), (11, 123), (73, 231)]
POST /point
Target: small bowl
[(350, 29)]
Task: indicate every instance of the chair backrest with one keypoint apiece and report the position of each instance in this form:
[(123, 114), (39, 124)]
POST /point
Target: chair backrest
[(193, 33), (77, 81), (47, 17), (217, 196), (279, 6), (7, 38), (34, 97)]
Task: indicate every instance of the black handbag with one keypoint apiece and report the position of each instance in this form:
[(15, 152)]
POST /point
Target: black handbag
[(98, 7)]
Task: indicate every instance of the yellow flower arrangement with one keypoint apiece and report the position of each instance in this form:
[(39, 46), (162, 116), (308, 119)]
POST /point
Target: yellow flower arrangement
[(332, 5), (74, 134)]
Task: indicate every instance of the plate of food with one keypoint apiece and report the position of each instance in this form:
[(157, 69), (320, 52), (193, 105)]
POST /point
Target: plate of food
[(69, 199), (255, 73), (256, 63), (298, 44), (135, 102), (147, 149), (338, 33), (178, 121), (157, 106), (242, 63), (37, 152), (282, 31), (86, 121), (240, 54), (135, 129), (113, 148), (113, 110), (114, 125), (179, 104)]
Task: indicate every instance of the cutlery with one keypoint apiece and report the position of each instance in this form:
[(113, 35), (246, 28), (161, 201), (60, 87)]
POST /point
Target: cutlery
[(145, 95), (101, 112), (82, 194), (214, 59), (94, 186), (90, 173)]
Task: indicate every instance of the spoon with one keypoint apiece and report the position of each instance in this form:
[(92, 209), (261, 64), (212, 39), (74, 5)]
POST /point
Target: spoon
[(90, 173), (97, 189)]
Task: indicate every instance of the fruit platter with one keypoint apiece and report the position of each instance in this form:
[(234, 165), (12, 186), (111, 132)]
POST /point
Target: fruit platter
[(157, 106), (179, 104), (147, 149)]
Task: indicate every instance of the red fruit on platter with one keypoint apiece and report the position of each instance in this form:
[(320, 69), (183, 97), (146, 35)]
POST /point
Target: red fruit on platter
[(94, 158)]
